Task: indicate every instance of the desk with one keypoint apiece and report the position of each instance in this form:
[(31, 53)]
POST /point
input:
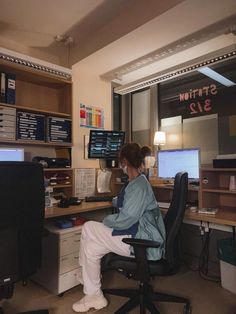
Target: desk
[(163, 192), (223, 220), (60, 269), (76, 209), (227, 217)]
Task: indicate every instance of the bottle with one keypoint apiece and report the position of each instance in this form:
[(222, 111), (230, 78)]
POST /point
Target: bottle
[(232, 183)]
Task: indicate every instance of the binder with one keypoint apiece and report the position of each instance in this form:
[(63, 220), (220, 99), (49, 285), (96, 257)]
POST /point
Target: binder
[(3, 87), (11, 89)]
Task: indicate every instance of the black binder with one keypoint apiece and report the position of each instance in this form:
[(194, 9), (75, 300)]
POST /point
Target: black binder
[(11, 89), (3, 87)]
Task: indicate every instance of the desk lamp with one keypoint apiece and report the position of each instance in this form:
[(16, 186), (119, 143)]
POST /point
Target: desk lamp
[(159, 139)]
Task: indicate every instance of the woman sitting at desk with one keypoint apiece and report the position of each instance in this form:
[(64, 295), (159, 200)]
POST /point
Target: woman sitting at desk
[(139, 217)]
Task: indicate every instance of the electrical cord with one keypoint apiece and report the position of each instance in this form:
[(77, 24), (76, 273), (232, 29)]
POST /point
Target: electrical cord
[(203, 259)]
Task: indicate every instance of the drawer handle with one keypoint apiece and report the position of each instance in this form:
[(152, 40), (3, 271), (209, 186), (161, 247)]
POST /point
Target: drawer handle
[(64, 258), (78, 233), (76, 240), (76, 257)]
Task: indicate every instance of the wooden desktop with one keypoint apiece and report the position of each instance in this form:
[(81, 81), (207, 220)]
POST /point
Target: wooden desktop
[(76, 209), (225, 217)]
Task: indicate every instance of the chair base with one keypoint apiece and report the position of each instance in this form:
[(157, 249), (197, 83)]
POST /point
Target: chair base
[(144, 298)]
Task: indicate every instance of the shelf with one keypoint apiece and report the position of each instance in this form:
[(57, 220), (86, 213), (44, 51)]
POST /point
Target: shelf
[(33, 110), (162, 186), (57, 169), (218, 169), (58, 186), (225, 216), (219, 190), (215, 193), (30, 74), (44, 94), (171, 186), (20, 142)]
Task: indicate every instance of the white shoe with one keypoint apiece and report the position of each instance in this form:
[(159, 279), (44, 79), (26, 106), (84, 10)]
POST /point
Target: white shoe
[(97, 301)]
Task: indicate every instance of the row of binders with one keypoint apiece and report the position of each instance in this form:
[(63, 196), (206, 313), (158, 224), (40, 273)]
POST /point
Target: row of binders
[(27, 126), (7, 88)]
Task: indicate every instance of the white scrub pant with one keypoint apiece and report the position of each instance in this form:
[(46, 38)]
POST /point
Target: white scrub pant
[(96, 241)]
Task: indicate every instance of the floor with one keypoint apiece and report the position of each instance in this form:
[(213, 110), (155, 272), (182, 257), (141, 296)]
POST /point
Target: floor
[(206, 297)]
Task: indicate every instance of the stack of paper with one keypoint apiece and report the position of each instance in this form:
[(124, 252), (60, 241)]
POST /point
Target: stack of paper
[(208, 211)]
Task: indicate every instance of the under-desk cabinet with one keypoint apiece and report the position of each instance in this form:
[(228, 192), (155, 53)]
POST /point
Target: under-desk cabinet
[(60, 269)]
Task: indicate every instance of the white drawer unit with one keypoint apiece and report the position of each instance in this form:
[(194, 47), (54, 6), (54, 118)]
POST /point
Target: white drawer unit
[(60, 269), (68, 262), (69, 280), (7, 123)]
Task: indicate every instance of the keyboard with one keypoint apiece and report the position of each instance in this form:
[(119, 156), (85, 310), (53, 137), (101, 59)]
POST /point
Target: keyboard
[(99, 198), (164, 204)]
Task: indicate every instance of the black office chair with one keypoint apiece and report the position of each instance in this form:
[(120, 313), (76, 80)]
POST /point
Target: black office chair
[(22, 206), (142, 270)]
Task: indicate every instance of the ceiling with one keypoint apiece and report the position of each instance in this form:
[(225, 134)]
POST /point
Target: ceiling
[(124, 41), (54, 29)]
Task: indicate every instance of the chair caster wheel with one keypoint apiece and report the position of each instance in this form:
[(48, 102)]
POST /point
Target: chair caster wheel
[(187, 309)]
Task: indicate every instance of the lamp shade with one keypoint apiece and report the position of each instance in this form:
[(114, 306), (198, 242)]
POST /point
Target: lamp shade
[(159, 138)]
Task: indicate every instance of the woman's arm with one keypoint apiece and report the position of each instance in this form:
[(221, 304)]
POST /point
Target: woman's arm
[(133, 207)]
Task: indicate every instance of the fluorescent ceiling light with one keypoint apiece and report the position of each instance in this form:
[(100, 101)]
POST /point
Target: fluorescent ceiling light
[(216, 76)]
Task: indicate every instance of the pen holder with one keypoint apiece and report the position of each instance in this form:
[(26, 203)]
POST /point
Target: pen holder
[(232, 183)]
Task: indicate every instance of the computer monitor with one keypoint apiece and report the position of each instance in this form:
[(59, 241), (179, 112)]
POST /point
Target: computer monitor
[(105, 144), (169, 162), (11, 154)]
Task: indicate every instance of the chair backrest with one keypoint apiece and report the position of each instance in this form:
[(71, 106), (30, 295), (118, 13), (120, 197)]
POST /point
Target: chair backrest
[(22, 207), (174, 218)]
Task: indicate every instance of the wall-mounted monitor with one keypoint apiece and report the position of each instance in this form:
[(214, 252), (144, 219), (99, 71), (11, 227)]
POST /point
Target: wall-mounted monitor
[(169, 162), (105, 144), (11, 154)]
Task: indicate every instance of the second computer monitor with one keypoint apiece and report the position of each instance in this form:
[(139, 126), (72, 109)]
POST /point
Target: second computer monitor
[(170, 162), (105, 144), (11, 154)]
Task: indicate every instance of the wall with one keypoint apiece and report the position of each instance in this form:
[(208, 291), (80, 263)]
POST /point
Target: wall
[(89, 89)]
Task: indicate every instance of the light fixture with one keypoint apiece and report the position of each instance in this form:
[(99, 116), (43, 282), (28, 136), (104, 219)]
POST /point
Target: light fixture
[(131, 87), (216, 76), (159, 138)]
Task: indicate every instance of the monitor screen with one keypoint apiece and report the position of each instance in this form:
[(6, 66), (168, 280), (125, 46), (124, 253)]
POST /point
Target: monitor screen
[(105, 144), (11, 154), (169, 162)]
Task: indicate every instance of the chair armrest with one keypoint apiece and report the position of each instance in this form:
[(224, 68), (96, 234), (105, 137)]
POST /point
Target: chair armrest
[(140, 252), (141, 243)]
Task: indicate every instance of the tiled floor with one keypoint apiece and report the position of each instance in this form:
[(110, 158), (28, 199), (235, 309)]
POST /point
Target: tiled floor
[(207, 297)]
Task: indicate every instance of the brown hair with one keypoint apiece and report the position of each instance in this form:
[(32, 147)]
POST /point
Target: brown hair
[(146, 151), (132, 153)]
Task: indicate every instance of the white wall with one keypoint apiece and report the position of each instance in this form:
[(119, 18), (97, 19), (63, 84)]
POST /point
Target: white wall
[(186, 18), (89, 89)]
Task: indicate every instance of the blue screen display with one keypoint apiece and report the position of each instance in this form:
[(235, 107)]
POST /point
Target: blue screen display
[(11, 154), (169, 162)]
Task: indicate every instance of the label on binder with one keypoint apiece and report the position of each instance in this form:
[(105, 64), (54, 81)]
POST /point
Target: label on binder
[(59, 130), (30, 126)]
